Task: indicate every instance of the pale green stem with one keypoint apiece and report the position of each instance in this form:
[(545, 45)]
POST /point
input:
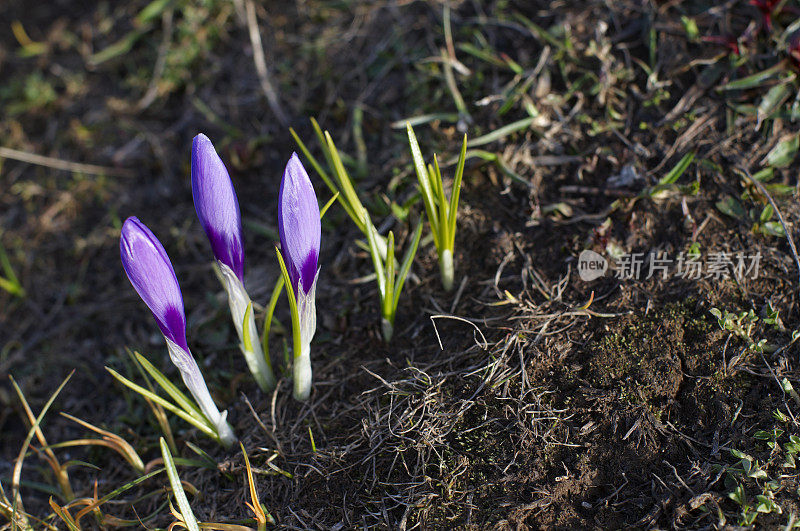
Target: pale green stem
[(446, 269), (302, 373), (239, 301)]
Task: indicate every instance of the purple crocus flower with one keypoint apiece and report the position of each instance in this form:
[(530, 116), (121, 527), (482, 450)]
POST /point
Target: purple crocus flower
[(299, 225), (218, 209), (150, 271), (299, 228), (216, 204), (148, 267)]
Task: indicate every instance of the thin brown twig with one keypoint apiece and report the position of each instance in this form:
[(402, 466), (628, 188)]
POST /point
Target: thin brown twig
[(261, 64), (61, 164)]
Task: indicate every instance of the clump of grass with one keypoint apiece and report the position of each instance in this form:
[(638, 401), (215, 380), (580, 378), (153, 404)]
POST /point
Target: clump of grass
[(442, 213)]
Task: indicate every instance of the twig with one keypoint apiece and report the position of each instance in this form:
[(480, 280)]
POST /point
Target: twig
[(441, 316), (61, 164), (261, 64)]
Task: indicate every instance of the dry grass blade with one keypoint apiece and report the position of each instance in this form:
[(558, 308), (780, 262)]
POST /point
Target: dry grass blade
[(17, 474), (113, 441), (60, 472), (262, 517), (261, 63), (64, 514), (61, 164)]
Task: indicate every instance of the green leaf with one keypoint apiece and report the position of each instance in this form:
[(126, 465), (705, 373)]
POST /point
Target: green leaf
[(690, 27), (451, 117), (177, 395), (317, 167), (246, 339), (377, 261), (292, 305), (202, 426), (731, 207), (328, 205), (783, 153), (11, 283), (771, 102), (388, 298), (756, 80), (351, 203), (408, 258), (189, 519), (151, 11), (676, 172), (764, 435), (773, 228), (498, 134), (766, 214), (455, 194), (763, 175), (436, 178), (424, 184)]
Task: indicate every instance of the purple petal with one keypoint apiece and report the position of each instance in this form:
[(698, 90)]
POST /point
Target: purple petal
[(298, 224), (216, 204), (148, 268)]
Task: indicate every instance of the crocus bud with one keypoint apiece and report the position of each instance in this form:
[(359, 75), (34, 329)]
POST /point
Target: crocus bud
[(216, 205), (218, 209), (150, 271), (300, 231)]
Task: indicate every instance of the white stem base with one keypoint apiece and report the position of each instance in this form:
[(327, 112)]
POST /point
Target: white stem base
[(225, 432), (387, 329), (238, 301), (302, 373), (446, 269), (193, 379)]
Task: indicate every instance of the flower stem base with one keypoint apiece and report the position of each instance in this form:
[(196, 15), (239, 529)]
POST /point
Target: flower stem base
[(446, 269), (302, 374), (387, 328), (225, 432)]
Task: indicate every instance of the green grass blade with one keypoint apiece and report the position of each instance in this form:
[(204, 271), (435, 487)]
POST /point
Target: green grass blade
[(408, 258), (182, 401), (388, 297), (424, 183), (676, 172), (455, 194), (116, 492), (17, 473), (357, 211), (756, 80), (322, 143), (292, 304), (377, 261), (169, 406), (189, 519), (436, 177), (11, 283), (273, 302), (423, 119), (328, 205), (322, 173), (502, 132)]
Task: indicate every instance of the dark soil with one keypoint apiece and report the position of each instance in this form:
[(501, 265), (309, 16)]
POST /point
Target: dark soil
[(554, 403)]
